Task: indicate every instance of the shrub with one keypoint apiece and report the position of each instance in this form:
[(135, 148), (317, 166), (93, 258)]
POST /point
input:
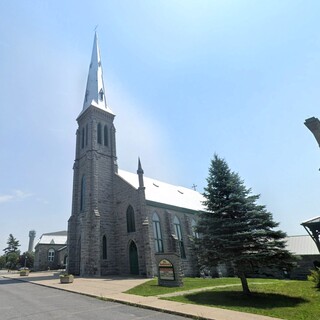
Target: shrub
[(65, 275), (315, 277)]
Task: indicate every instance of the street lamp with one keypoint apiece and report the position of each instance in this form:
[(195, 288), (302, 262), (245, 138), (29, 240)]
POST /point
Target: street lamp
[(313, 124), (313, 226)]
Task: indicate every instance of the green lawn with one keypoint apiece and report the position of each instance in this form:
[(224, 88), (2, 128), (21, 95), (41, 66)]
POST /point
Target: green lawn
[(294, 300), (151, 287)]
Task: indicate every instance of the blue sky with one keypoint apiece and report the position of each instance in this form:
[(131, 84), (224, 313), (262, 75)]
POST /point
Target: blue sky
[(186, 79)]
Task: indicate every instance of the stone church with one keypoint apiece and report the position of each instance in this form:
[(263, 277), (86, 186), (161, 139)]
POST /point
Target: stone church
[(121, 220)]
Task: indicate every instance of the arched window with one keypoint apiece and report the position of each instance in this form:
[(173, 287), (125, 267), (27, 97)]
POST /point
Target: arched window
[(131, 226), (104, 247), (51, 255), (101, 94), (99, 133), (87, 133), (177, 229), (82, 138), (158, 243), (82, 193), (105, 136), (193, 227)]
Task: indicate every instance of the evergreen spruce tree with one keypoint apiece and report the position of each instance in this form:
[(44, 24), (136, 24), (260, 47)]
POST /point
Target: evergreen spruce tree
[(235, 229)]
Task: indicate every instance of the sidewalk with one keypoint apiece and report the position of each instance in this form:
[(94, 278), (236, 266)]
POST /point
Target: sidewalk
[(112, 288)]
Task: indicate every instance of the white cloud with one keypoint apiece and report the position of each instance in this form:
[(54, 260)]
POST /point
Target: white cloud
[(6, 198), (15, 195)]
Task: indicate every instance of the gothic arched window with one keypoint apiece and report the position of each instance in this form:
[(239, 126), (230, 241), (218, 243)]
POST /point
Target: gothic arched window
[(177, 229), (51, 255), (158, 243), (99, 133), (106, 136), (104, 247), (131, 226), (82, 193)]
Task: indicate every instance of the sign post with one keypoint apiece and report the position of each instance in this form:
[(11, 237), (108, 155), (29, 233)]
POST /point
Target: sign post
[(169, 270)]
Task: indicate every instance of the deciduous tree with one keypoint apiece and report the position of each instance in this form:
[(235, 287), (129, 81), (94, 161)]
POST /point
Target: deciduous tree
[(27, 259), (12, 260)]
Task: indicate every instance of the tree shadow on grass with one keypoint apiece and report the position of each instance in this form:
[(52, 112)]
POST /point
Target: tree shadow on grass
[(238, 299)]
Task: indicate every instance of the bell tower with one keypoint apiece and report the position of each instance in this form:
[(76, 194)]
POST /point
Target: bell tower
[(93, 174)]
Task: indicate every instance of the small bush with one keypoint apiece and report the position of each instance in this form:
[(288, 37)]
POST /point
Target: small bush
[(315, 277)]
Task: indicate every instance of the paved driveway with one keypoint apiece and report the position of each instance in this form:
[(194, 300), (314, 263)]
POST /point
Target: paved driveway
[(23, 300)]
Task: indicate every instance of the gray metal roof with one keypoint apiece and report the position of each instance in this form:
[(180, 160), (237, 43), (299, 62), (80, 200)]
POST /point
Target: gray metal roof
[(165, 193), (57, 233), (313, 220), (301, 245), (59, 238)]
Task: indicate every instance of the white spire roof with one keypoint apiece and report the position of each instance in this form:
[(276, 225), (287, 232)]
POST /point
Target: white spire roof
[(95, 93)]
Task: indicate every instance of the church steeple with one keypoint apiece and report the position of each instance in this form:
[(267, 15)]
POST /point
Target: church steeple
[(140, 174), (94, 170), (95, 94)]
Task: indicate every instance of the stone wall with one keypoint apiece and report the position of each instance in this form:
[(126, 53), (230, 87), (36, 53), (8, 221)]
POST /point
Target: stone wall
[(41, 261), (125, 195), (166, 215)]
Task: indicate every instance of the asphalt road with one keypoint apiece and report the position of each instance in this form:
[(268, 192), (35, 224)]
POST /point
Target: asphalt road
[(22, 300)]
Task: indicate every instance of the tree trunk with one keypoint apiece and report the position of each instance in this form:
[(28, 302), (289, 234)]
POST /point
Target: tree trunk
[(244, 282)]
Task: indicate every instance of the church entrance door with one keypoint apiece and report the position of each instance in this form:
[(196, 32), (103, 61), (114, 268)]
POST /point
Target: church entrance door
[(133, 256)]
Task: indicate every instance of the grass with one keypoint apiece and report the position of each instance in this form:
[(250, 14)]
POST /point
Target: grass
[(151, 287), (294, 300)]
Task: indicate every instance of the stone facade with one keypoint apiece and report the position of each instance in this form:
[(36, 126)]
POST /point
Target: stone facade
[(112, 229), (51, 251)]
